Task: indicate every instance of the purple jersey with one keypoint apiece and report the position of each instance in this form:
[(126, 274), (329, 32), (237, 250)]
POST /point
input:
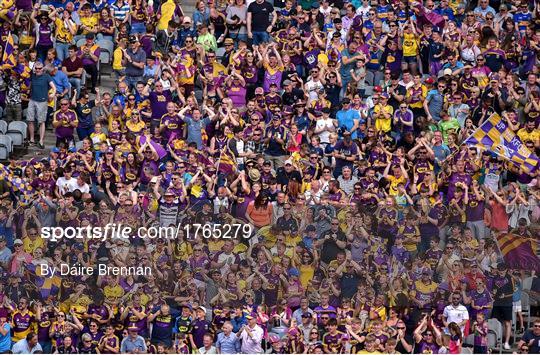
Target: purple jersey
[(44, 33), (200, 328), (274, 78), (251, 74), (427, 348), (102, 311), (475, 209), (158, 103), (333, 342), (480, 299), (132, 319), (272, 289), (44, 326), (45, 185), (174, 126), (65, 130)]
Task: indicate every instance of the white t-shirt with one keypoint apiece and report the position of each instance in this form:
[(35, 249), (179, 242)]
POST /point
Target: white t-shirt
[(312, 87), (212, 350), (65, 185), (364, 12), (321, 123), (84, 188), (456, 314)]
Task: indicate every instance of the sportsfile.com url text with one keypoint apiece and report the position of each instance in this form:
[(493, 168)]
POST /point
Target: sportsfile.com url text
[(120, 231)]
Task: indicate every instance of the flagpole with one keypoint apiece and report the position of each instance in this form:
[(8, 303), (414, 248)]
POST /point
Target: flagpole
[(219, 159), (4, 49)]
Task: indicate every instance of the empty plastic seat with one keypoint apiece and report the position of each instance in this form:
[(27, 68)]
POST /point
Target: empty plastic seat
[(17, 130), (107, 49), (3, 127), (6, 147)]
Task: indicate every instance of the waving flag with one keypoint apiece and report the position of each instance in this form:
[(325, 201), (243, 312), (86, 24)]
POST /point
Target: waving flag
[(8, 58), (16, 183), (161, 152), (47, 285), (495, 136), (226, 163), (518, 252)]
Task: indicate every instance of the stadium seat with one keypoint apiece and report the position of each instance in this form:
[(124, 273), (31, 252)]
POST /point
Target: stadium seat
[(465, 350), (17, 131), (106, 55), (469, 340), (107, 49), (495, 334), (3, 127), (527, 283), (80, 42), (6, 147), (526, 309)]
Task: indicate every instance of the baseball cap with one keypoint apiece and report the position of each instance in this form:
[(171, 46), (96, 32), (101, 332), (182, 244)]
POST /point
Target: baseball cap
[(17, 242), (251, 315), (228, 41), (202, 309), (447, 71), (377, 88), (294, 272)]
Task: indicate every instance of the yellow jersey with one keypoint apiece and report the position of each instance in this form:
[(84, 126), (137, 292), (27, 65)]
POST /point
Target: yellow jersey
[(382, 123), (118, 55), (89, 21), (30, 245), (62, 33), (167, 12), (410, 45)]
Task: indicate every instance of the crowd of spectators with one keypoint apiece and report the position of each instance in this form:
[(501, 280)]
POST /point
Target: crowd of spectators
[(334, 129)]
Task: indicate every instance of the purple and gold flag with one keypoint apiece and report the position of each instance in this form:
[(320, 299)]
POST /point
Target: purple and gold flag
[(47, 285), (8, 57), (518, 252), (16, 183), (495, 136), (226, 163)]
